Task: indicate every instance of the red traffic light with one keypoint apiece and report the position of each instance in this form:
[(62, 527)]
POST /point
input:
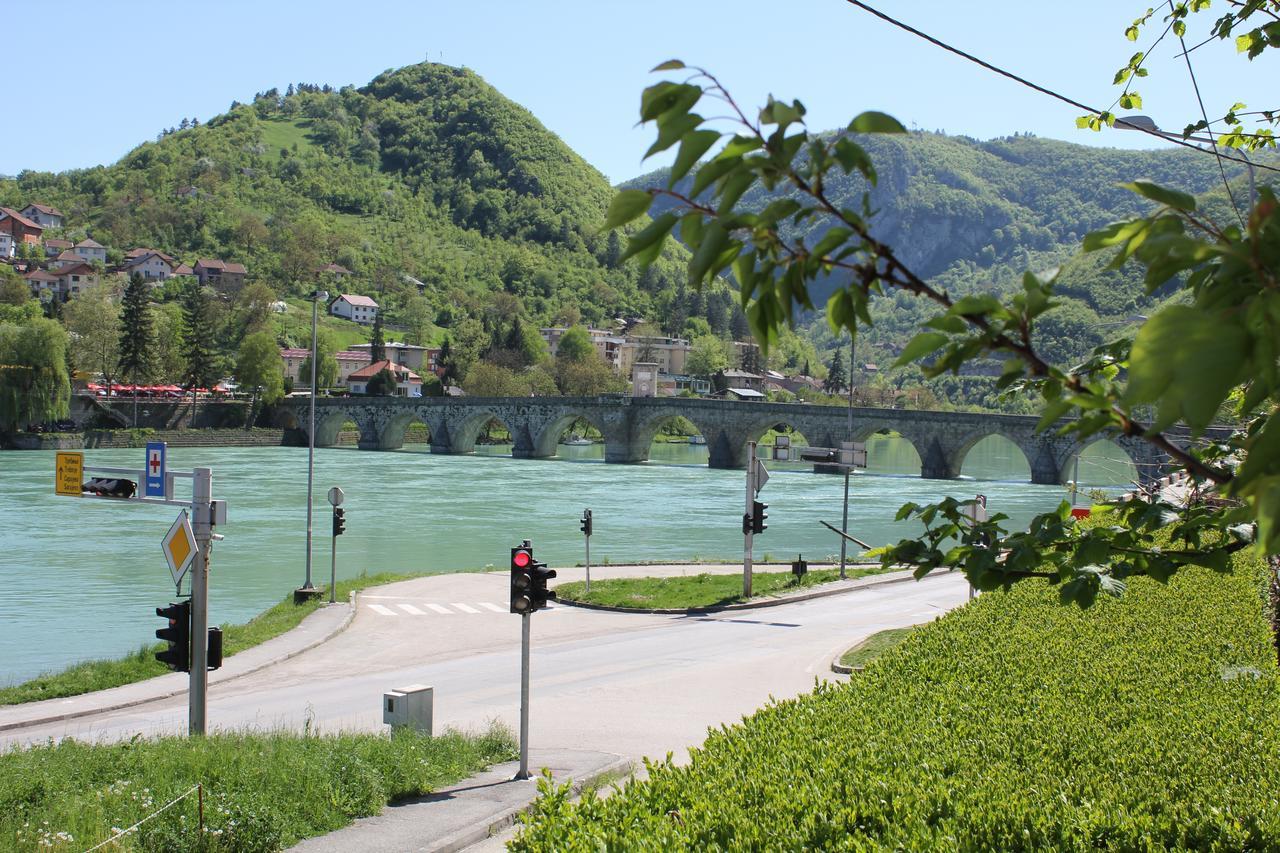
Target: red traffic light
[(521, 559)]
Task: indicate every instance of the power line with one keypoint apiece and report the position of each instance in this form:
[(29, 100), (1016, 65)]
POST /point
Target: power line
[(1041, 89)]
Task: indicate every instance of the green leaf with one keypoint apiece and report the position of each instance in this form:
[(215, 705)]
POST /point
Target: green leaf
[(665, 97), (626, 206), (669, 65), (693, 146), (714, 239), (647, 244), (1171, 198), (876, 122), (921, 345), (852, 156)]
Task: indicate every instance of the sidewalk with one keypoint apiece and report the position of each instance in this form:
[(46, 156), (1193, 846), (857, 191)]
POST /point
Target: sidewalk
[(313, 631), (470, 812)]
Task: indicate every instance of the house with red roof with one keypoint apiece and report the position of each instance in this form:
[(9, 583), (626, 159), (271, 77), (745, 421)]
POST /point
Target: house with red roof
[(351, 306), (408, 383), (19, 228), (44, 285), (67, 258), (349, 361), (53, 247), (74, 278), (150, 264), (220, 274), (91, 250), (43, 215)]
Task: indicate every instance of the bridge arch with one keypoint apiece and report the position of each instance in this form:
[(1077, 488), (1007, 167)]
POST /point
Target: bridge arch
[(908, 463), (546, 441), (647, 427), (1092, 471), (1000, 439), (329, 423), (392, 435), (465, 429)]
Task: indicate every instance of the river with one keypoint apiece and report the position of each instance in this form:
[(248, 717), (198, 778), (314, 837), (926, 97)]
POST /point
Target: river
[(80, 578)]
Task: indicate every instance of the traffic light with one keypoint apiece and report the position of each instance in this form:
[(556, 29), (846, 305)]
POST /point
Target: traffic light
[(529, 578), (758, 516), (178, 635), (586, 522), (213, 660), (339, 521), (110, 487)]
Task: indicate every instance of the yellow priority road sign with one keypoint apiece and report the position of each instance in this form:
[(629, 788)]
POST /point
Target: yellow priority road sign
[(68, 473), (179, 547)]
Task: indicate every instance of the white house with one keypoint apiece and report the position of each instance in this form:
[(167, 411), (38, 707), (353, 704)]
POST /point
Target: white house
[(410, 355), (74, 278), (91, 251), (361, 309), (408, 383), (6, 245), (150, 264), (43, 215)]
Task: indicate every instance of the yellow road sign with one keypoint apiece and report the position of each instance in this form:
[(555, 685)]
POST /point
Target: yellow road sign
[(179, 546), (68, 473)]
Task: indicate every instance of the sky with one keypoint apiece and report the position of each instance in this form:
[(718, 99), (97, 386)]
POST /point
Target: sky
[(136, 67)]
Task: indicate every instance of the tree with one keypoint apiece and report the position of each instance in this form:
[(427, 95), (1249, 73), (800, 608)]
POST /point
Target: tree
[(92, 321), (1190, 359), (137, 334), (202, 368), (326, 363), (377, 346), (34, 385), (258, 366), (382, 384), (836, 380), (587, 377), (448, 364), (575, 345), (708, 355), (13, 290)]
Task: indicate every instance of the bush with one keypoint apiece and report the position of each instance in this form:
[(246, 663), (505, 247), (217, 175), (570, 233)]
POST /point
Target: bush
[(1015, 723)]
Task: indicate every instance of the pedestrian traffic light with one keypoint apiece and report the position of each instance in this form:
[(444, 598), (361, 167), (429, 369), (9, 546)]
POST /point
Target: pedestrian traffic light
[(177, 634), (758, 516), (522, 579), (213, 658), (339, 521), (541, 574), (586, 522)]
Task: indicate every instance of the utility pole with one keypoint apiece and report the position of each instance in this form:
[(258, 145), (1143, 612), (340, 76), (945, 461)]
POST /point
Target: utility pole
[(844, 522), (308, 590), (202, 527), (746, 514)]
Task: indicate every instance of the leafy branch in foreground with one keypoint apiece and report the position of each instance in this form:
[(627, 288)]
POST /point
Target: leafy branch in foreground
[(1217, 348)]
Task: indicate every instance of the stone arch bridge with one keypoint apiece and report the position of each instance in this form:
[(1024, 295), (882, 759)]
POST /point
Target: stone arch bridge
[(629, 425)]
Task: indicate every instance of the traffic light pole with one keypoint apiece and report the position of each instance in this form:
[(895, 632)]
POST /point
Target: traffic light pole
[(525, 619), (202, 527), (333, 561), (844, 524), (746, 513)]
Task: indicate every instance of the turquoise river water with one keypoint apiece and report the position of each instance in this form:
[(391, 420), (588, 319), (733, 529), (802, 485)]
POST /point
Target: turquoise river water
[(80, 578)]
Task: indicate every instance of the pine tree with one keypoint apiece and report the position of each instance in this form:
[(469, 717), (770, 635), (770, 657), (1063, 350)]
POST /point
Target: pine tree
[(197, 337), (448, 368), (377, 345), (137, 336), (835, 381)]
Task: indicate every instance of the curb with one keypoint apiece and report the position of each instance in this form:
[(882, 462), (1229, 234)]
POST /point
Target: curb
[(465, 838), (132, 703), (840, 669), (846, 586)]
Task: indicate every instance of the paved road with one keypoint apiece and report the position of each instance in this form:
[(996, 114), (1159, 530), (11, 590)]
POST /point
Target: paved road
[(635, 685)]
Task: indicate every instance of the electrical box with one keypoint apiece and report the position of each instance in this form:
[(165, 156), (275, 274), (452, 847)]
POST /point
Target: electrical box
[(409, 706)]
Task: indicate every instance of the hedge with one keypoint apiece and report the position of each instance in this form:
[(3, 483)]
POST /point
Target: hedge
[(1015, 723)]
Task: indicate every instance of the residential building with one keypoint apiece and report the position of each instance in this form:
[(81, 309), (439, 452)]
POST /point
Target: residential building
[(336, 270), (669, 354), (409, 355), (43, 215), (66, 259), (53, 248), (349, 362), (608, 345), (220, 274), (150, 264), (91, 250), (408, 383), (6, 245), (361, 309), (19, 228), (73, 278), (44, 285), (742, 379)]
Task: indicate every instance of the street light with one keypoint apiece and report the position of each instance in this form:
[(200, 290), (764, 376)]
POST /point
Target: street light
[(1148, 125), (307, 590)]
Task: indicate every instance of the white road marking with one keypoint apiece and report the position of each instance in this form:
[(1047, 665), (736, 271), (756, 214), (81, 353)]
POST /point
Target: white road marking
[(411, 610), (465, 608), (495, 608), (440, 608), (385, 611)]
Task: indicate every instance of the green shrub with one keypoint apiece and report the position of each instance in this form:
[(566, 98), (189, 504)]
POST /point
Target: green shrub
[(1015, 723)]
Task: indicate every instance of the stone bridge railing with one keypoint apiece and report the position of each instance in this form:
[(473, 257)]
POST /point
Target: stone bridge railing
[(629, 425)]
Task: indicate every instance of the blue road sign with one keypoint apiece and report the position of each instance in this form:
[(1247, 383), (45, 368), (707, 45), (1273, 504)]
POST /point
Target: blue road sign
[(155, 469)]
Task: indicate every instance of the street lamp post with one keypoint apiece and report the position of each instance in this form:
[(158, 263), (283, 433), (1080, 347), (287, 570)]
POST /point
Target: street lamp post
[(307, 590)]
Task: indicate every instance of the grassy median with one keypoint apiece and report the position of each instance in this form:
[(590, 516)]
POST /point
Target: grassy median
[(258, 791), (874, 646), (88, 676), (697, 591)]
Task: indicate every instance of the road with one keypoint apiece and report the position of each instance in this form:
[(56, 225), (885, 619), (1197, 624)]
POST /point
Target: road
[(632, 684)]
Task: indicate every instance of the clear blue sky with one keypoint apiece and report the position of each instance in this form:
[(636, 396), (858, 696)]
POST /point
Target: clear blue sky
[(135, 67)]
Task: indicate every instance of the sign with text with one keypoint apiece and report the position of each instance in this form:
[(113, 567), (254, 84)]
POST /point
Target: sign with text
[(155, 469), (68, 478)]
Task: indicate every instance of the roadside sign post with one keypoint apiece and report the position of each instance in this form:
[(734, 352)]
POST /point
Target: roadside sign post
[(977, 513), (850, 455), (757, 476), (186, 546), (336, 497)]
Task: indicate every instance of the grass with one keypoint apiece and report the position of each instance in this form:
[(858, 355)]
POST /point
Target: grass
[(260, 791), (874, 646), (280, 133), (702, 590), (89, 676)]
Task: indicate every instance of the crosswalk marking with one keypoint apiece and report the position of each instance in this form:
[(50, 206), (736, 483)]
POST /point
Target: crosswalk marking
[(495, 608), (465, 608), (440, 608), (410, 609), (385, 611)]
